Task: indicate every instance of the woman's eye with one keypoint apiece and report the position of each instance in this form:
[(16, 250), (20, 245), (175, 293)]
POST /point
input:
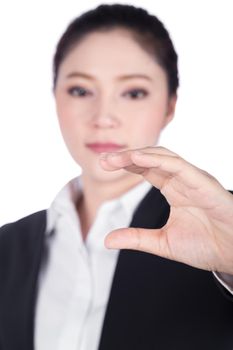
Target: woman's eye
[(136, 94), (78, 91)]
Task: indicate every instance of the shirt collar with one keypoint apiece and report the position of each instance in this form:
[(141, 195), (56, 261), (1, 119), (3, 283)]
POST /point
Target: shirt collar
[(66, 198), (64, 202)]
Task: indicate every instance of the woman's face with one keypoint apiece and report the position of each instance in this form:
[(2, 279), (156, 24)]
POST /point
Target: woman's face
[(110, 95)]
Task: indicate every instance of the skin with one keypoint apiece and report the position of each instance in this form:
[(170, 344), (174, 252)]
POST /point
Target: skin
[(199, 230), (125, 101)]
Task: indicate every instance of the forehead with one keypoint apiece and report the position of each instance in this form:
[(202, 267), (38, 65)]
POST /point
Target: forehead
[(115, 51)]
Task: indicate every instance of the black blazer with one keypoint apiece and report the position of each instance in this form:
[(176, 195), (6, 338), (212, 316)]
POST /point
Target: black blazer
[(154, 304)]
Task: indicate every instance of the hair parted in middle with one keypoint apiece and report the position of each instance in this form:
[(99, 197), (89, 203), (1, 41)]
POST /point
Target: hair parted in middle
[(146, 29)]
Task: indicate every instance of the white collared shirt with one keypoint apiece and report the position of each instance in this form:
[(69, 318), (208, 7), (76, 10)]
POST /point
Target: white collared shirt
[(76, 276)]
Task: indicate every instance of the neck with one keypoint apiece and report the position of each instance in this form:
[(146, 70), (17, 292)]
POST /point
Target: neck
[(96, 192)]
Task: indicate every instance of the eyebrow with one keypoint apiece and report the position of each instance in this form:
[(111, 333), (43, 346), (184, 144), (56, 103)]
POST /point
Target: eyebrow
[(121, 78)]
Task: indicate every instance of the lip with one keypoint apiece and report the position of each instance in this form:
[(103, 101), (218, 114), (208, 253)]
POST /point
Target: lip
[(100, 147)]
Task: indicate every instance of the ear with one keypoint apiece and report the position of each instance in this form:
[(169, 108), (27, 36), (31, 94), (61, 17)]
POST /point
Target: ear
[(171, 106)]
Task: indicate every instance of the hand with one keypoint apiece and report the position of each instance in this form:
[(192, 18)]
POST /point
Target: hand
[(199, 231)]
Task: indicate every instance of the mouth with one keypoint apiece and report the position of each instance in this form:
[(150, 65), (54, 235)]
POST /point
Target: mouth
[(102, 147)]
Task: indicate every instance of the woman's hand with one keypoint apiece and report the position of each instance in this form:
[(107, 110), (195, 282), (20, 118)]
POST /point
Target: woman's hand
[(199, 231)]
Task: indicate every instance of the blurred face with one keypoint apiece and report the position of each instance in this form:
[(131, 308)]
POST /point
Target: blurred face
[(110, 95)]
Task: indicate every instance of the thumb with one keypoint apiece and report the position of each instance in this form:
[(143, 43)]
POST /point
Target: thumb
[(146, 240)]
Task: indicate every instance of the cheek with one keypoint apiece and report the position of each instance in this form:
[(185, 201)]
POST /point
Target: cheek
[(70, 127), (73, 114), (68, 116), (66, 108), (147, 125)]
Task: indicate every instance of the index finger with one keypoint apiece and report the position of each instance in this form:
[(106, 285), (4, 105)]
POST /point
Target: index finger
[(114, 161), (123, 159)]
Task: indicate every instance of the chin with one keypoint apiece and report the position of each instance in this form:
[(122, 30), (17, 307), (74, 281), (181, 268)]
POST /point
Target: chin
[(101, 176), (105, 176)]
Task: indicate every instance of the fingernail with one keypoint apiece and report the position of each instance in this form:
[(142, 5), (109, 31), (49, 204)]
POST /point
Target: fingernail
[(103, 155), (114, 154), (109, 155), (109, 243)]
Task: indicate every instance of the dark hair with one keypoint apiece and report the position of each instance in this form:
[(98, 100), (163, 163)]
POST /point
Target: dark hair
[(146, 29)]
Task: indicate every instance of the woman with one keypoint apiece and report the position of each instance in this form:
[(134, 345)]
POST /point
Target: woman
[(115, 85)]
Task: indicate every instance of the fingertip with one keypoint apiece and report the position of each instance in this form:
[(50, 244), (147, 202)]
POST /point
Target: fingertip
[(116, 239), (109, 242), (103, 156), (105, 164)]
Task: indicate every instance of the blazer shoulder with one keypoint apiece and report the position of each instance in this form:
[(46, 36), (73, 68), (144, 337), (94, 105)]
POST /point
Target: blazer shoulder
[(27, 222), (17, 236)]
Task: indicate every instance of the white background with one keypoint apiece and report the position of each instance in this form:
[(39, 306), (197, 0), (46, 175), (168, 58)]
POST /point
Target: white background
[(34, 163)]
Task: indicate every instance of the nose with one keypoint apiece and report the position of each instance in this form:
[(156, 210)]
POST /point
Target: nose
[(105, 114)]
